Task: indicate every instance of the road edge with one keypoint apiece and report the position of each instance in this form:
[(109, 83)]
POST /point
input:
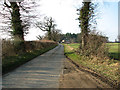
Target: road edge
[(94, 73)]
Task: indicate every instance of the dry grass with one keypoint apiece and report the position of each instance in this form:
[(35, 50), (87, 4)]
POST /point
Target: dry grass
[(8, 47), (107, 67)]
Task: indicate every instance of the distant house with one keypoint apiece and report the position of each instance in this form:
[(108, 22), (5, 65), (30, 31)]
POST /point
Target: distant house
[(63, 41)]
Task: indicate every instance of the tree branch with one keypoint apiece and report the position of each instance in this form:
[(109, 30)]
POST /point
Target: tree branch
[(6, 4)]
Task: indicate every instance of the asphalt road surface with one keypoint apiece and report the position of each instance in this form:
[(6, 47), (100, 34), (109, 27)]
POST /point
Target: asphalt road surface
[(51, 70), (42, 72)]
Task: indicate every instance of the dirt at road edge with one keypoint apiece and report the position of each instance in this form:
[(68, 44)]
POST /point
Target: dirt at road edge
[(74, 78)]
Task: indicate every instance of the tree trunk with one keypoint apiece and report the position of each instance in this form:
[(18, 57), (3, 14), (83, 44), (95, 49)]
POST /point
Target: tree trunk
[(16, 22), (49, 35), (85, 23), (18, 33)]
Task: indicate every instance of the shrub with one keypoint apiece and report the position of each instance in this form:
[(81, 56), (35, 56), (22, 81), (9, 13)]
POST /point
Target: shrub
[(96, 46), (12, 48), (7, 48)]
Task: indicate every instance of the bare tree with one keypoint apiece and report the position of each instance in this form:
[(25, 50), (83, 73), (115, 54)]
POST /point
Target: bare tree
[(56, 35), (39, 37), (17, 17), (47, 25)]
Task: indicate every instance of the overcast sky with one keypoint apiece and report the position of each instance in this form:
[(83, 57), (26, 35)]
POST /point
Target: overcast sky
[(65, 15)]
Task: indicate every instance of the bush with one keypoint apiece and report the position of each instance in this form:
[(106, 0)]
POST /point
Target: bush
[(12, 48), (95, 46), (7, 48)]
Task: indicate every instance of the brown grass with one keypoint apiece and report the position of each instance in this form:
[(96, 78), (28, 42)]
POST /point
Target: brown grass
[(8, 47), (106, 67)]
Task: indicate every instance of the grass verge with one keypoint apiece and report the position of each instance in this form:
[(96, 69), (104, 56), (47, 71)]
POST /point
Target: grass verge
[(12, 62), (109, 68)]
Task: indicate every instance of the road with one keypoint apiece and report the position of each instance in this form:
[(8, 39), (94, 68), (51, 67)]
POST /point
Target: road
[(42, 72), (51, 70)]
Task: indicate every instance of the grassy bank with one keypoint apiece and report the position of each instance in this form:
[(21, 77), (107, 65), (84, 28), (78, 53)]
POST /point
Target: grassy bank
[(108, 68), (11, 62)]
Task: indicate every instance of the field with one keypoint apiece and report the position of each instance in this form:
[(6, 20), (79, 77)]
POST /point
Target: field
[(74, 45), (108, 68), (114, 51)]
